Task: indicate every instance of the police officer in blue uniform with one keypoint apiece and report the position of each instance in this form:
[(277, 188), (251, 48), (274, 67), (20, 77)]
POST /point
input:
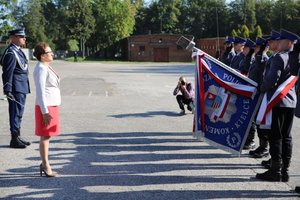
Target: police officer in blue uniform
[(280, 138), (248, 51), (238, 46), (273, 43), (294, 58), (15, 84), (256, 71), (244, 66), (229, 51)]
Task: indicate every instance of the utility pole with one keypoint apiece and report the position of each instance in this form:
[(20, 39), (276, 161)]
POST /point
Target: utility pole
[(280, 19), (217, 18), (218, 40), (245, 12)]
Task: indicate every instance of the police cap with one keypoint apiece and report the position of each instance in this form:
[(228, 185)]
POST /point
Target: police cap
[(18, 31), (229, 40), (275, 35), (260, 41), (239, 40), (284, 34), (249, 43)]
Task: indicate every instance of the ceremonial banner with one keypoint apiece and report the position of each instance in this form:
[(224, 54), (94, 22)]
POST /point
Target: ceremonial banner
[(226, 103)]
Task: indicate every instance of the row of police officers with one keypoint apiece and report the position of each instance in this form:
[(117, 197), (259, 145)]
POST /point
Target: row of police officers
[(271, 61)]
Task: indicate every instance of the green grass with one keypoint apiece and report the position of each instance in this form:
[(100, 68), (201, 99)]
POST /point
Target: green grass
[(71, 59), (81, 59)]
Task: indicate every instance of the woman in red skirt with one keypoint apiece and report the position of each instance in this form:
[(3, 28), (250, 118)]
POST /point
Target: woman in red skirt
[(47, 103)]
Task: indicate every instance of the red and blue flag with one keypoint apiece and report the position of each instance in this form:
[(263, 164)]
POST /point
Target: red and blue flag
[(226, 103)]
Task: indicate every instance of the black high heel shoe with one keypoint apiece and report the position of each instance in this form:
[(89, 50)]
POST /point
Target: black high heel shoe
[(53, 174)]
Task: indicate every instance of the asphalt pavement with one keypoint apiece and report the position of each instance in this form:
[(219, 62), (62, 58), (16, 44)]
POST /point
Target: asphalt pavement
[(123, 139)]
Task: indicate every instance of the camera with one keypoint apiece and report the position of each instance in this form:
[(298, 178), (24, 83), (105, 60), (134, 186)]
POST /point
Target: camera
[(182, 83)]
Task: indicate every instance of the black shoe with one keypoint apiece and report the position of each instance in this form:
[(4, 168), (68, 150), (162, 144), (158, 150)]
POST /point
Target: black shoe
[(260, 154), (24, 141), (269, 175), (249, 145), (266, 163), (297, 189), (251, 153), (16, 143), (285, 176)]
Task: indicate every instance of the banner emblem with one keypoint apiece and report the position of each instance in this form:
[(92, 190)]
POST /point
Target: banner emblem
[(226, 102)]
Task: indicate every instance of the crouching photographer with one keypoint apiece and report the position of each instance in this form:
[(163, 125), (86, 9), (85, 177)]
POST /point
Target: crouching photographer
[(187, 95)]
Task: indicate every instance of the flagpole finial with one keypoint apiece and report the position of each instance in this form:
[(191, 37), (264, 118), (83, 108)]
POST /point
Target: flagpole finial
[(186, 43)]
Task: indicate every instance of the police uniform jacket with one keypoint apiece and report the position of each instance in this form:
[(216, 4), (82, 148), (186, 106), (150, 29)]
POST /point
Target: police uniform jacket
[(227, 56), (15, 70), (276, 73), (257, 68), (245, 64), (236, 60)]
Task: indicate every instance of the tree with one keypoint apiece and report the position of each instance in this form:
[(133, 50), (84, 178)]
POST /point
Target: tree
[(285, 14), (35, 23), (249, 16), (205, 18), (169, 10), (140, 18), (242, 12), (102, 23), (245, 32), (160, 16), (81, 23), (138, 3), (263, 14), (57, 10), (6, 17), (195, 20), (256, 33), (234, 33), (73, 45), (114, 21), (236, 14)]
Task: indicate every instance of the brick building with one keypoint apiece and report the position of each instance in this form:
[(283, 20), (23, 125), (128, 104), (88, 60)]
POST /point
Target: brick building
[(210, 45), (156, 48)]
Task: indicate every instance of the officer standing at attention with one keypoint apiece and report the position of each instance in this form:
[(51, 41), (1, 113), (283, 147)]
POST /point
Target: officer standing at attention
[(248, 51), (15, 84), (256, 71), (273, 43), (238, 46), (229, 51), (280, 138)]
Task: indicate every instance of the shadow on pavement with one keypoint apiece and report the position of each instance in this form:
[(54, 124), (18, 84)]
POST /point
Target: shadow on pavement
[(127, 166), (148, 114)]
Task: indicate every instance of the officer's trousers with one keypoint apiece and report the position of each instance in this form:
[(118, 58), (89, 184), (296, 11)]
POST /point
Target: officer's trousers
[(280, 138), (16, 110)]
